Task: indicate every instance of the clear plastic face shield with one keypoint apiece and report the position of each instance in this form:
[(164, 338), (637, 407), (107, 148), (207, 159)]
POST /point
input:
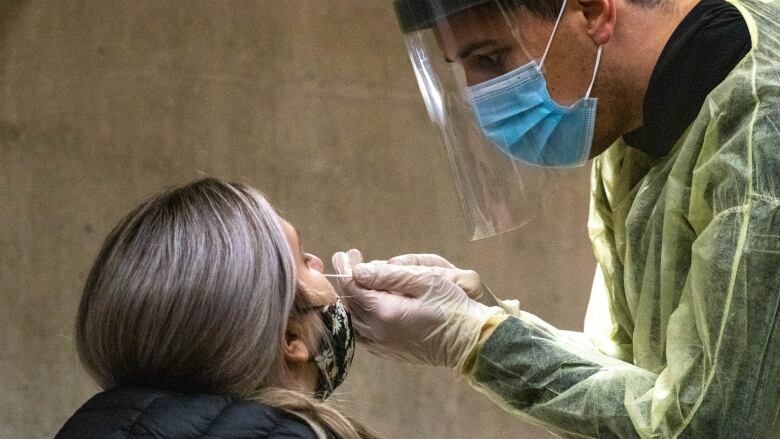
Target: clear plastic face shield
[(467, 55)]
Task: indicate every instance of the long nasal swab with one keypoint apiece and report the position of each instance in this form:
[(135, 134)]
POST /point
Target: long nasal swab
[(339, 276)]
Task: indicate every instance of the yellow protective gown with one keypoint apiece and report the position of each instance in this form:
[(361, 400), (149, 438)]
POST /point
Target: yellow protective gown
[(689, 304)]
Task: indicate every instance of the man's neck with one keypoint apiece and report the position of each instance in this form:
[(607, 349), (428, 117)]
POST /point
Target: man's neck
[(642, 35)]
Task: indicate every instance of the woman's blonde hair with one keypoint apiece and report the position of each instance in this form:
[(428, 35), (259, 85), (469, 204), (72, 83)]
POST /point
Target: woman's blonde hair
[(192, 291)]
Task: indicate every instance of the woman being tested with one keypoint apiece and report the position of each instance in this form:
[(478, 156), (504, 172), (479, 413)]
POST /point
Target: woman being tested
[(203, 317)]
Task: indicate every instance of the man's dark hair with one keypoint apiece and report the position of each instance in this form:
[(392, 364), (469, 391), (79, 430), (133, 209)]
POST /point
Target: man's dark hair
[(416, 15), (549, 9)]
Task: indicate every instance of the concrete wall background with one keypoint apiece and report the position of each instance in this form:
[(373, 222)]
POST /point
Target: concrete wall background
[(103, 102)]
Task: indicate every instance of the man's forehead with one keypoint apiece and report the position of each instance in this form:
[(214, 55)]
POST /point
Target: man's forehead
[(487, 23), (456, 31)]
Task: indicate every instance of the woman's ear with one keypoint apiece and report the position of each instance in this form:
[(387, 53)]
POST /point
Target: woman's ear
[(600, 16), (296, 352)]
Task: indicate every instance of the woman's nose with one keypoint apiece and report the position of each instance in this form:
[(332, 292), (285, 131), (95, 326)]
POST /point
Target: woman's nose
[(316, 263)]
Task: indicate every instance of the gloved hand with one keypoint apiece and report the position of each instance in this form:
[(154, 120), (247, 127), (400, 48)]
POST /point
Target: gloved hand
[(411, 313), (468, 280)]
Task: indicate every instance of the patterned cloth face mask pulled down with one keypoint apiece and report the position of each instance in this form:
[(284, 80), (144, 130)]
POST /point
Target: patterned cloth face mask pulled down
[(336, 349)]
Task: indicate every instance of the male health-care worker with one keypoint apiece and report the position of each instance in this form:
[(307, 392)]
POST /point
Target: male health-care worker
[(678, 104)]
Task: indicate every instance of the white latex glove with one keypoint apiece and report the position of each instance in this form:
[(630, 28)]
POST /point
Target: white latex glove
[(411, 313), (468, 280)]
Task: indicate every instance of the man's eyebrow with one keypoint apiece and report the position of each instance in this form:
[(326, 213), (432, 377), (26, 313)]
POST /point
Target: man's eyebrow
[(471, 48)]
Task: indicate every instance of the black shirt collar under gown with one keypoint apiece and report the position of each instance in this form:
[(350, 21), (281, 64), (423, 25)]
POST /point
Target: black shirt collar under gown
[(710, 41)]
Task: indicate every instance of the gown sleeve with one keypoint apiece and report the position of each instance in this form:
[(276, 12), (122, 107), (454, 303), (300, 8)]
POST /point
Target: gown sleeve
[(723, 352)]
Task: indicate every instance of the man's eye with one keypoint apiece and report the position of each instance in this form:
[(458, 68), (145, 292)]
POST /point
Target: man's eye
[(492, 61)]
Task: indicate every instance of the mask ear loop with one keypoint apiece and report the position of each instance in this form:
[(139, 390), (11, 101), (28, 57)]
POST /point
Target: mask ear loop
[(595, 71), (549, 45), (552, 37)]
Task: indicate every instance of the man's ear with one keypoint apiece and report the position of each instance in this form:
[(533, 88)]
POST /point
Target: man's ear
[(295, 350), (600, 16)]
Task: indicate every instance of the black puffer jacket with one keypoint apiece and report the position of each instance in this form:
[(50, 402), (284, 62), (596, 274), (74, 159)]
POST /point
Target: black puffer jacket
[(134, 413)]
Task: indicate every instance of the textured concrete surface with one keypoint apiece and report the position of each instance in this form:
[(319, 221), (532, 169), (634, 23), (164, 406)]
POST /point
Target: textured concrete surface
[(103, 102)]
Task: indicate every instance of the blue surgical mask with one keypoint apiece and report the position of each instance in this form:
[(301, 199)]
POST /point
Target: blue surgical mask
[(518, 115)]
